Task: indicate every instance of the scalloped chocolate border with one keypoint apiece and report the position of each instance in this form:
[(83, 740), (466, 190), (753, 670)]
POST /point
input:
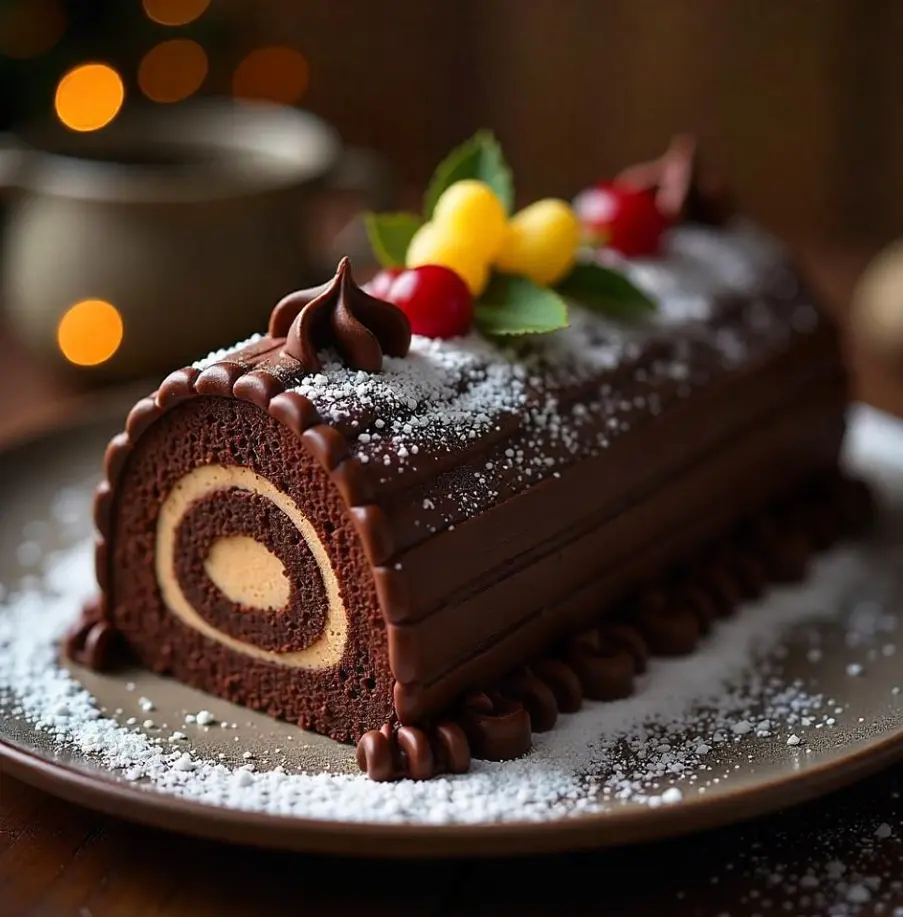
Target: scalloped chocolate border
[(261, 387), (601, 662)]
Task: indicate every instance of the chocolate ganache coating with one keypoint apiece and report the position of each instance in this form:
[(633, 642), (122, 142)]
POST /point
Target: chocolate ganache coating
[(601, 662), (342, 315), (467, 506)]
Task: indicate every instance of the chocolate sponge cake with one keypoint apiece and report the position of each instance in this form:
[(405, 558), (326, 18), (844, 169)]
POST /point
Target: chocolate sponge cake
[(354, 529)]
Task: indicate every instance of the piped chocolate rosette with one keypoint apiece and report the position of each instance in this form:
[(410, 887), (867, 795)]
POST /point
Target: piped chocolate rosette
[(437, 544)]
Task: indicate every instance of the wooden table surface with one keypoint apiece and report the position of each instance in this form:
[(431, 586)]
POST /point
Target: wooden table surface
[(58, 859)]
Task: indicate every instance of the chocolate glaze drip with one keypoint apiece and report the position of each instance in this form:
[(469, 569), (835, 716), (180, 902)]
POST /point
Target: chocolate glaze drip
[(748, 570), (410, 752), (854, 505), (602, 662), (340, 314), (534, 695), (92, 641), (670, 628), (497, 727), (684, 190), (562, 681)]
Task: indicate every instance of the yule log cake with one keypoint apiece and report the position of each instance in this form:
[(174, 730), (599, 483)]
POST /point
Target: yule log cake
[(612, 423)]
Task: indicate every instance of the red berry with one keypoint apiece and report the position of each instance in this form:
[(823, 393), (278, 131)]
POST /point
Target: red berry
[(624, 219), (379, 285), (436, 301)]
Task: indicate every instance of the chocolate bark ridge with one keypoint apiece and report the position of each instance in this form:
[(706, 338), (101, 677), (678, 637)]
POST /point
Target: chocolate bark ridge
[(342, 316), (685, 190)]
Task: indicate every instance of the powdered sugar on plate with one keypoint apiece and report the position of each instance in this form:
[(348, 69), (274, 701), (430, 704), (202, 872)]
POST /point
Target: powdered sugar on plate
[(683, 735)]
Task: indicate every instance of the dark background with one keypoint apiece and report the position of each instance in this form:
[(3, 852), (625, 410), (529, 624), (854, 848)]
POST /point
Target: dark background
[(797, 100)]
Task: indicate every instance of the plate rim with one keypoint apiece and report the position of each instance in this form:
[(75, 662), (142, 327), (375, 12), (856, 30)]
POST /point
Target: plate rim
[(597, 830), (589, 831)]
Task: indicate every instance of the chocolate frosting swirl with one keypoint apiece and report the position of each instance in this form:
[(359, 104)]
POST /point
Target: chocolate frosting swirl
[(684, 190), (340, 314)]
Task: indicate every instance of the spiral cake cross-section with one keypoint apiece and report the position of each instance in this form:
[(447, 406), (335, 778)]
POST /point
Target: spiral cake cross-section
[(236, 566)]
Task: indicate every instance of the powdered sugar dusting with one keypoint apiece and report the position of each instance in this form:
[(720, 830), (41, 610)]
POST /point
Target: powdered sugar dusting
[(678, 738), (629, 750), (840, 861), (224, 352), (454, 398), (448, 392), (466, 388)]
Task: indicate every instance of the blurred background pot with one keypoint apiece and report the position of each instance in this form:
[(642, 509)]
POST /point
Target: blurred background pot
[(171, 232)]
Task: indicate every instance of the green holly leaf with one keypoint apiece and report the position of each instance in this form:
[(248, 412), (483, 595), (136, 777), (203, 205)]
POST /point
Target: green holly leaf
[(479, 158), (516, 305), (604, 290), (390, 235)]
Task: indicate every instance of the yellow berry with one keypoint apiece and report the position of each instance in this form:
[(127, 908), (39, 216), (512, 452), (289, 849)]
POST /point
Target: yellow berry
[(434, 244), (541, 242), (470, 210)]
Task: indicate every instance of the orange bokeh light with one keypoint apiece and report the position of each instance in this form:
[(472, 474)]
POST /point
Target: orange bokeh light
[(275, 74), (175, 12), (90, 332), (173, 70), (89, 97), (30, 27)]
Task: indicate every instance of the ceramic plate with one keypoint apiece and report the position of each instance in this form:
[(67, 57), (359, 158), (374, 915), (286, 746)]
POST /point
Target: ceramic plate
[(50, 478)]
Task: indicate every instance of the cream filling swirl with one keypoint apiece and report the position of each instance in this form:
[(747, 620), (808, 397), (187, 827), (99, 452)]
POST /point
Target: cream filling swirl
[(327, 649)]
